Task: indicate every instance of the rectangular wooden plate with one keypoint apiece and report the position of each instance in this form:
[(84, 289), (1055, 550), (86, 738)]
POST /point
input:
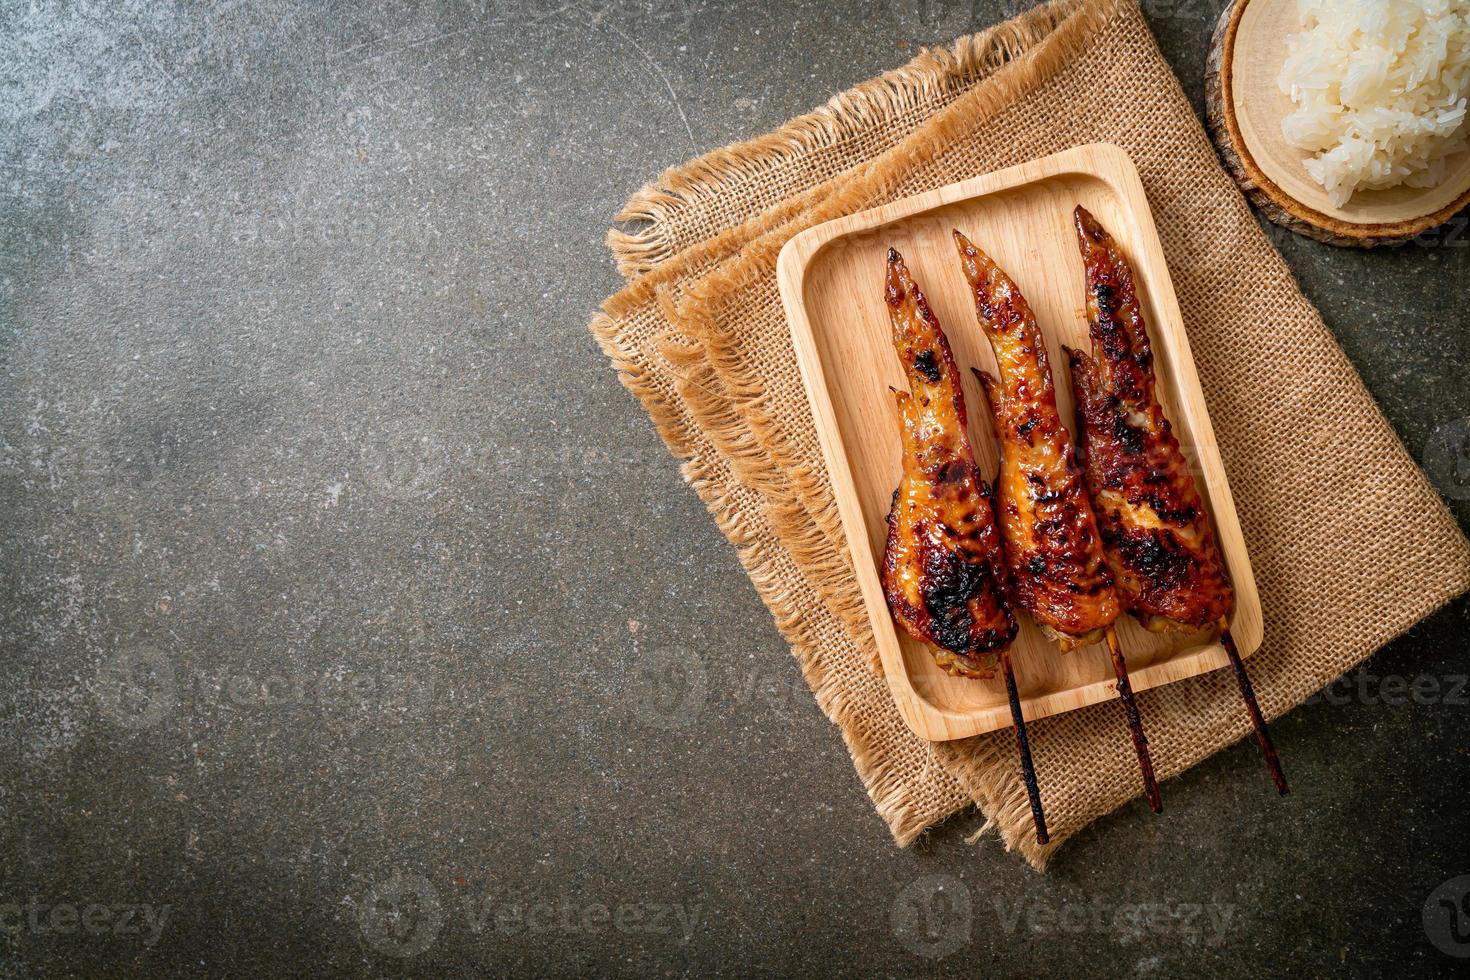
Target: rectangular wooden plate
[(831, 280)]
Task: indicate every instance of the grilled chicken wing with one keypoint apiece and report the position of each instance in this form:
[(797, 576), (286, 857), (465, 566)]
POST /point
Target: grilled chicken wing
[(1053, 552), (942, 571), (1157, 534)]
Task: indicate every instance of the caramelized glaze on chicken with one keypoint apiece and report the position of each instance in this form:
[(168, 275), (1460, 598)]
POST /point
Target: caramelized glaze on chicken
[(942, 571), (1159, 542), (1053, 553)]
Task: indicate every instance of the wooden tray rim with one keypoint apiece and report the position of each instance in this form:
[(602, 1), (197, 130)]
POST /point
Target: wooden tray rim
[(926, 719)]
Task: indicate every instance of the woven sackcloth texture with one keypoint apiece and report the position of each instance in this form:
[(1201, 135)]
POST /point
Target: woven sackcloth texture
[(1350, 543)]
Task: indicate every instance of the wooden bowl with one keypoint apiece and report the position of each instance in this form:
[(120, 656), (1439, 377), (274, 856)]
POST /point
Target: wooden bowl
[(1245, 108)]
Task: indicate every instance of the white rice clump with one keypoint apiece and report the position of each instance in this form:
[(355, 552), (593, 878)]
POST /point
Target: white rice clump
[(1379, 88)]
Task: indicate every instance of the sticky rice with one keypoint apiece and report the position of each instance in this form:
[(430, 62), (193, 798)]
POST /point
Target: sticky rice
[(1380, 89)]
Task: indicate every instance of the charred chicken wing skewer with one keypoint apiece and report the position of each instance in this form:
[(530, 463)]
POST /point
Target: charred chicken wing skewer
[(943, 574), (1054, 555), (1156, 532)]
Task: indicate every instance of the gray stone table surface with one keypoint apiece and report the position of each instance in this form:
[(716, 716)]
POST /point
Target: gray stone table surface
[(332, 548)]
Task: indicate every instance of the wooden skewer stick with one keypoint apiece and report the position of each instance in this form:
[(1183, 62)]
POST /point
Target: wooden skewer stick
[(1248, 695), (1135, 724), (1028, 769)]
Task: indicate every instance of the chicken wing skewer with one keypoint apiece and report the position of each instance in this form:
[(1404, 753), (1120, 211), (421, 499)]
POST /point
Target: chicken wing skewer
[(1155, 530), (943, 573), (1054, 554)]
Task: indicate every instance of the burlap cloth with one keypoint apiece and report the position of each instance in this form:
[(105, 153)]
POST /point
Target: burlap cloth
[(1350, 543)]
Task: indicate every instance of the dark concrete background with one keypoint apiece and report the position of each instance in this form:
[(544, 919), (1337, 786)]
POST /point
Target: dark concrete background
[(334, 554)]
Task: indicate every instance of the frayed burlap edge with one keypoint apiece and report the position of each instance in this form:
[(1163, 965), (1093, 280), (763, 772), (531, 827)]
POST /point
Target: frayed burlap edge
[(870, 104), (1005, 805), (884, 785), (1009, 58), (698, 314)]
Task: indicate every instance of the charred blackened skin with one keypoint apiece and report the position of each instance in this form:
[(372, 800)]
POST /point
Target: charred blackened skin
[(927, 366), (1160, 543), (1129, 438), (942, 571), (1053, 551), (948, 583), (1158, 538), (1155, 558)]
